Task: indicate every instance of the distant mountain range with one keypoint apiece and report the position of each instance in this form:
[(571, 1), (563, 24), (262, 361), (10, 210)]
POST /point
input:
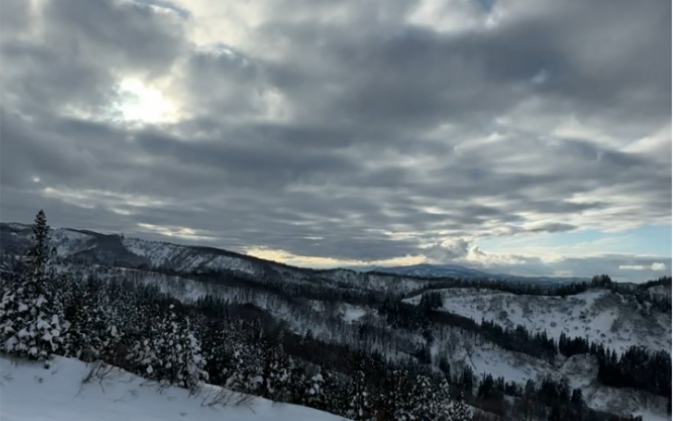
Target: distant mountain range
[(112, 249), (427, 270)]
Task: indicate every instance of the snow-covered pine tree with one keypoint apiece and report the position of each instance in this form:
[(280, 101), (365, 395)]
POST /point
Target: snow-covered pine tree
[(85, 316), (298, 386), (424, 405), (276, 368), (460, 410), (360, 402), (141, 342), (179, 352), (144, 359), (217, 342), (37, 257), (167, 342), (124, 331), (315, 391), (31, 313), (444, 400), (192, 369), (244, 372), (395, 400), (336, 393)]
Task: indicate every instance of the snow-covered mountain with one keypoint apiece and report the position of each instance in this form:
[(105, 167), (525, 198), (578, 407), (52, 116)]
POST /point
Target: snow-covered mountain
[(113, 249), (336, 304), (426, 270), (607, 317)]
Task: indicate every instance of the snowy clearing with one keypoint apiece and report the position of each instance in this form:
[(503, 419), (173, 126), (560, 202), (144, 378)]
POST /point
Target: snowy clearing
[(28, 392)]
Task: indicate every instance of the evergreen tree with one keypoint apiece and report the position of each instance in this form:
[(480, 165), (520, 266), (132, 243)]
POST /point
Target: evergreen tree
[(245, 372), (554, 414), (297, 385), (37, 258), (336, 393), (86, 336), (577, 398), (395, 401), (315, 392), (445, 367), (460, 411), (444, 401), (360, 406), (424, 399), (467, 379), (217, 349), (31, 312), (180, 352), (275, 374)]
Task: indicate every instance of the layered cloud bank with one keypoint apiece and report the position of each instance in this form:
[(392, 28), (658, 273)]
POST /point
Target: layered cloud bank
[(327, 133)]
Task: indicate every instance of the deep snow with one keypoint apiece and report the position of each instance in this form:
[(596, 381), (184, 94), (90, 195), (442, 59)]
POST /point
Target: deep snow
[(29, 392)]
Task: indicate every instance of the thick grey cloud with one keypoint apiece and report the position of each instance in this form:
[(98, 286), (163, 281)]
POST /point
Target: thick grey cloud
[(342, 129)]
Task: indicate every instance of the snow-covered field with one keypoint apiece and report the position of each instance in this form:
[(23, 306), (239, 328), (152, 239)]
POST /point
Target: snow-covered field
[(28, 392), (599, 315)]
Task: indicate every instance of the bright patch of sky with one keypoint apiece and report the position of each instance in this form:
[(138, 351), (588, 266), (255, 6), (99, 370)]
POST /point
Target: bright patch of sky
[(647, 240)]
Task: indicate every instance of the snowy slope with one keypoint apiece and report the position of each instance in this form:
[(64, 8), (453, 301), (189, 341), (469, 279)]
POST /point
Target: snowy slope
[(31, 393), (580, 370), (66, 242), (599, 315), (660, 291), (185, 258), (375, 281)]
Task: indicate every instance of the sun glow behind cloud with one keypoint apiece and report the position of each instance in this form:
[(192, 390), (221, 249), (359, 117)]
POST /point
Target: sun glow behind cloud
[(326, 262), (143, 103)]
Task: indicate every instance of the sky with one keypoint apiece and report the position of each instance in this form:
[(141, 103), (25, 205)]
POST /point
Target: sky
[(520, 136)]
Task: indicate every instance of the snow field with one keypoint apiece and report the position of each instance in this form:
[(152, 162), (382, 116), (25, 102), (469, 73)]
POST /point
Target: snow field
[(29, 392)]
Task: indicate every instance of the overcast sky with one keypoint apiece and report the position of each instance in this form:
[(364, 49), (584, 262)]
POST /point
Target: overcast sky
[(529, 136)]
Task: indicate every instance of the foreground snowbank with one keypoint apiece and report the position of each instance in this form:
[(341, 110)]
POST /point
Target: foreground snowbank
[(28, 392)]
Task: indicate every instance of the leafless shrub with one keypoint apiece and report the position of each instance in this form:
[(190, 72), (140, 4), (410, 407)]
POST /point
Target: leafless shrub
[(223, 397), (98, 371)]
